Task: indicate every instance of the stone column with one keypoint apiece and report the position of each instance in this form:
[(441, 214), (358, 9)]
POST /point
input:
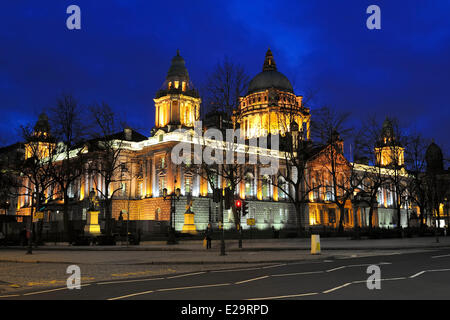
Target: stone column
[(155, 191)]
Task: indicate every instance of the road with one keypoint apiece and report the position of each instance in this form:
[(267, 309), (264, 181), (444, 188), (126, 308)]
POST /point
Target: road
[(421, 275)]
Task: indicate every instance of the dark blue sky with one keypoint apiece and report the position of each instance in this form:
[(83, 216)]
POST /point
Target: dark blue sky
[(123, 51)]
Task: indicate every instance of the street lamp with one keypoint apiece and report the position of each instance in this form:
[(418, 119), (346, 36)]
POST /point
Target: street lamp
[(174, 196)]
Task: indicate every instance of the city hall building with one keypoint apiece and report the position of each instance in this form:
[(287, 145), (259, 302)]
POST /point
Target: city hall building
[(150, 168)]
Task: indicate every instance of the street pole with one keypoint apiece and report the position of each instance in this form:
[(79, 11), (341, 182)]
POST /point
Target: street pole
[(222, 242), (240, 236), (128, 220)]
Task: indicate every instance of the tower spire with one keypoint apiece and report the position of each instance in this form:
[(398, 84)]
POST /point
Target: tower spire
[(269, 62)]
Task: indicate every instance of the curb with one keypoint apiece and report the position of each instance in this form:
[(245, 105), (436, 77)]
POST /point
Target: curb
[(316, 257), (174, 249)]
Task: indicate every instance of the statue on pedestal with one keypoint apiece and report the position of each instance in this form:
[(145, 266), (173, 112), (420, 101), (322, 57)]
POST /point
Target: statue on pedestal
[(93, 200)]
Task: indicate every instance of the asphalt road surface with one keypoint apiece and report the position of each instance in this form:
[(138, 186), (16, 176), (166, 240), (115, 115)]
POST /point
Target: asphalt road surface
[(423, 275)]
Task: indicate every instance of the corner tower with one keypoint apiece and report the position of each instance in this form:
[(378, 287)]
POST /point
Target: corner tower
[(388, 150), (40, 143), (177, 103), (270, 106)]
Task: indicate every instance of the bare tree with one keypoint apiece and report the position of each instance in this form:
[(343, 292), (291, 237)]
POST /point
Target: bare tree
[(372, 175), (34, 172), (107, 159), (294, 178), (343, 179), (224, 86), (395, 140), (69, 129), (417, 182)]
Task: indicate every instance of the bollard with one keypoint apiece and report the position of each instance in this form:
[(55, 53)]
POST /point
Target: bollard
[(315, 244)]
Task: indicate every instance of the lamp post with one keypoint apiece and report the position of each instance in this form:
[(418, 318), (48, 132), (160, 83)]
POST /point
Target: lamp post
[(174, 196)]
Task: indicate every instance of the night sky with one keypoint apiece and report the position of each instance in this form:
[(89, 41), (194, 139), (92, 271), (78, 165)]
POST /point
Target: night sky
[(122, 53)]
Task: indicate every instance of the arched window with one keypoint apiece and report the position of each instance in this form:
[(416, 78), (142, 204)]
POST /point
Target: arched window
[(161, 183), (282, 188), (266, 187), (188, 183), (249, 185)]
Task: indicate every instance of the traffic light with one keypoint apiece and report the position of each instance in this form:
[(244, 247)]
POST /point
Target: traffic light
[(244, 208), (238, 204)]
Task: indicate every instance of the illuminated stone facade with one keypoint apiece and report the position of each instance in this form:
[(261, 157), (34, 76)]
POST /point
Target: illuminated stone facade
[(270, 106), (177, 103)]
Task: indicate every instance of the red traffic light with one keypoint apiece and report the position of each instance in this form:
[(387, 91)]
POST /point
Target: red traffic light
[(238, 204)]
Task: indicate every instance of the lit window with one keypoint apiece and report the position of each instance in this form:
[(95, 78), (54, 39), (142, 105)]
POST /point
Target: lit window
[(188, 184)]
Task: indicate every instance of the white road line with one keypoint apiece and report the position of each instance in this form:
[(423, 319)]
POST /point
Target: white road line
[(338, 268), (167, 289), (52, 290), (387, 279), (437, 270), (295, 274), (337, 288), (274, 266), (288, 296), (127, 281), (186, 275), (358, 265), (233, 270), (393, 279), (195, 287), (443, 256), (130, 295), (10, 296), (417, 274), (249, 280)]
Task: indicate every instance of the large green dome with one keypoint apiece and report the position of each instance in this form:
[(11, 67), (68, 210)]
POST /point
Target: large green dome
[(269, 78)]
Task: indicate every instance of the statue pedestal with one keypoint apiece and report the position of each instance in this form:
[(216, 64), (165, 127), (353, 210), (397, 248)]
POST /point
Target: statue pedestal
[(92, 227), (189, 224)]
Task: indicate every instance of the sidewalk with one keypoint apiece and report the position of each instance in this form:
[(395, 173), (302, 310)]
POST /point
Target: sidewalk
[(192, 252), (264, 245)]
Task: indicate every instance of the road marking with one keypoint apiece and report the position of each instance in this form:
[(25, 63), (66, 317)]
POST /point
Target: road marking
[(437, 270), (130, 295), (167, 289), (392, 279), (51, 290), (288, 296), (249, 280), (127, 281), (443, 256), (358, 265), (337, 288), (338, 268), (233, 270), (295, 274), (186, 275), (274, 266), (195, 287), (417, 274), (10, 296)]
